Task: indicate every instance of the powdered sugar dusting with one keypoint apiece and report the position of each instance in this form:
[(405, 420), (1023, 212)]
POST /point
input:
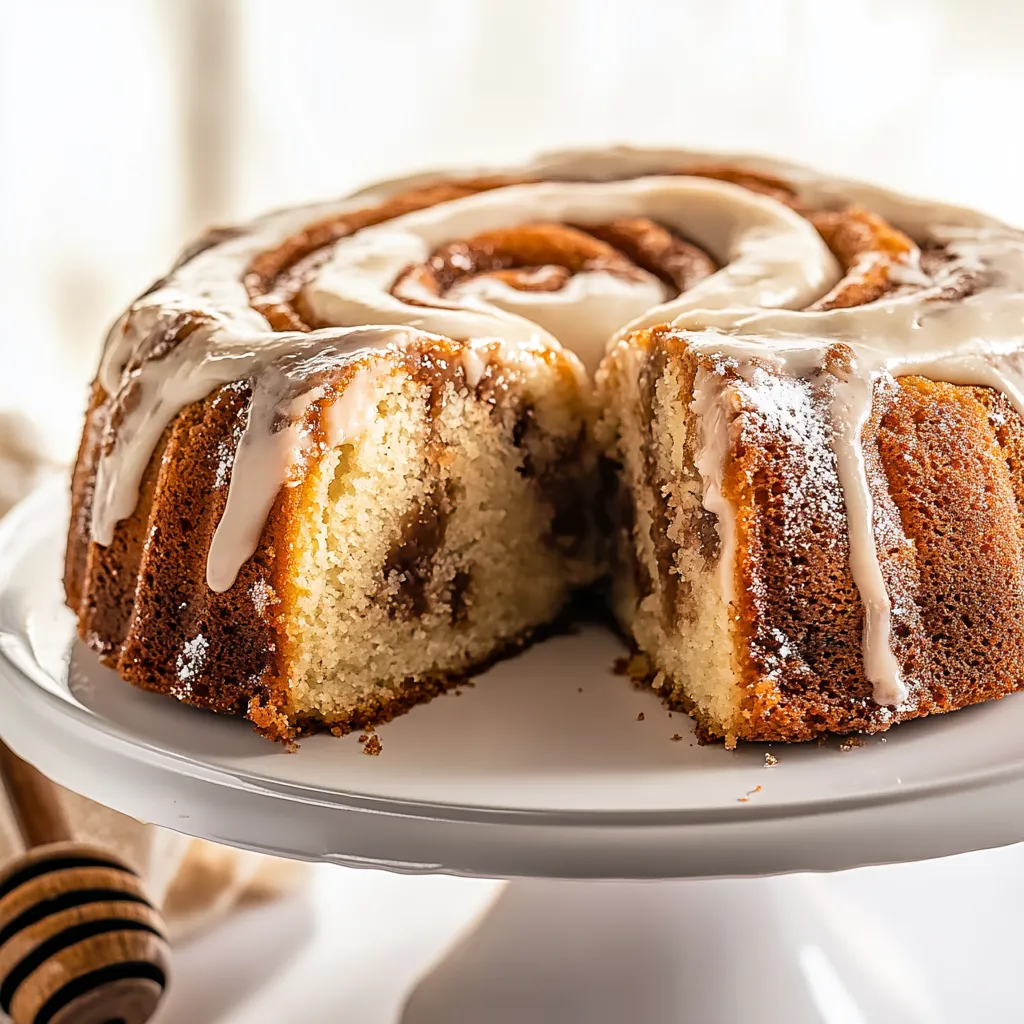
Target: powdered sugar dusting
[(189, 664)]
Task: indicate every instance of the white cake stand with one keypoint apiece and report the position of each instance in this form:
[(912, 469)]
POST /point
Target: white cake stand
[(551, 770)]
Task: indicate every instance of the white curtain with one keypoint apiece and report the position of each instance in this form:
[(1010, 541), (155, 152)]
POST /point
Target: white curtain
[(127, 126)]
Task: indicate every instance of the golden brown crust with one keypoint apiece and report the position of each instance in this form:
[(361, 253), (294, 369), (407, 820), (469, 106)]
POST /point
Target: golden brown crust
[(868, 250), (145, 606), (946, 468)]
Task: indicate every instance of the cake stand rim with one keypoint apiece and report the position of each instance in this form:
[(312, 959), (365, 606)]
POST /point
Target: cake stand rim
[(137, 749), (33, 706)]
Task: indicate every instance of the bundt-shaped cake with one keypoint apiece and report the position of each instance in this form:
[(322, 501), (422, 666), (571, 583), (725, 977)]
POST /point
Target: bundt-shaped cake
[(338, 459)]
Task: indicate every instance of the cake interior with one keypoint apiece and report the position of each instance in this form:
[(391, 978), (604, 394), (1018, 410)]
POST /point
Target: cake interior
[(666, 584), (438, 536)]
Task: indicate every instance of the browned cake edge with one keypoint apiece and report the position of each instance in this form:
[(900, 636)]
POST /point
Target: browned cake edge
[(143, 603), (946, 468)]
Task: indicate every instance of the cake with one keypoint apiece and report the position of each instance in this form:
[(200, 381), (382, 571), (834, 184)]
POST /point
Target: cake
[(340, 458)]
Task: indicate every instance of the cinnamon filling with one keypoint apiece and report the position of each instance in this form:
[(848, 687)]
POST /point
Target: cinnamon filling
[(409, 565), (657, 250), (756, 181), (869, 251), (661, 518), (544, 256), (275, 277), (412, 583), (532, 257)]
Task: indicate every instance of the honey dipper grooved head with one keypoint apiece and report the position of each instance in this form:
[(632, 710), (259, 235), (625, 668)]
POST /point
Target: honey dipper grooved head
[(80, 942)]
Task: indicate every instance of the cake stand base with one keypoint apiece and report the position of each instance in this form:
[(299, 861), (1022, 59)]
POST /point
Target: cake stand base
[(786, 950)]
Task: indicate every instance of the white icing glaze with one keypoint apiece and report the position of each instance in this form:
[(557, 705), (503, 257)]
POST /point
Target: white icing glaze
[(771, 257), (774, 263), (851, 409), (710, 406), (581, 315)]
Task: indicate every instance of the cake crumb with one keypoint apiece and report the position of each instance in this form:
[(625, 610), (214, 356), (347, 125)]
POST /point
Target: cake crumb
[(639, 665), (620, 666), (851, 743), (373, 746), (270, 722), (579, 689), (675, 737), (638, 668), (750, 792), (770, 760), (363, 738), (640, 717)]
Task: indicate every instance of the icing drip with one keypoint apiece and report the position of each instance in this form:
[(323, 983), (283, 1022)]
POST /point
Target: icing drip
[(156, 392), (961, 320), (277, 436), (709, 405), (851, 409)]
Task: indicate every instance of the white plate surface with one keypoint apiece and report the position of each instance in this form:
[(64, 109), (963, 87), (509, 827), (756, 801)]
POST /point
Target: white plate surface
[(541, 768)]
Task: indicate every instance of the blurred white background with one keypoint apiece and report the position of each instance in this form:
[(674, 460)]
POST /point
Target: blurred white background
[(127, 126)]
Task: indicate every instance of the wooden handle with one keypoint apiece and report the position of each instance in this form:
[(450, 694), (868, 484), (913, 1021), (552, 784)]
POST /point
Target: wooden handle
[(80, 943), (36, 809)]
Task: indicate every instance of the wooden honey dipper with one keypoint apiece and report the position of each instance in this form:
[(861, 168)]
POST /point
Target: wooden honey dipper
[(79, 941)]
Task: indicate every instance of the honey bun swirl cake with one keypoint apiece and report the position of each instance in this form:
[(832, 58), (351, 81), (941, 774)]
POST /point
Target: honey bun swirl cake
[(339, 458)]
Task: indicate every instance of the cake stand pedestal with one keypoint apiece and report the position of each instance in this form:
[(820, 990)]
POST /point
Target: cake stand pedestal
[(783, 950), (554, 772)]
